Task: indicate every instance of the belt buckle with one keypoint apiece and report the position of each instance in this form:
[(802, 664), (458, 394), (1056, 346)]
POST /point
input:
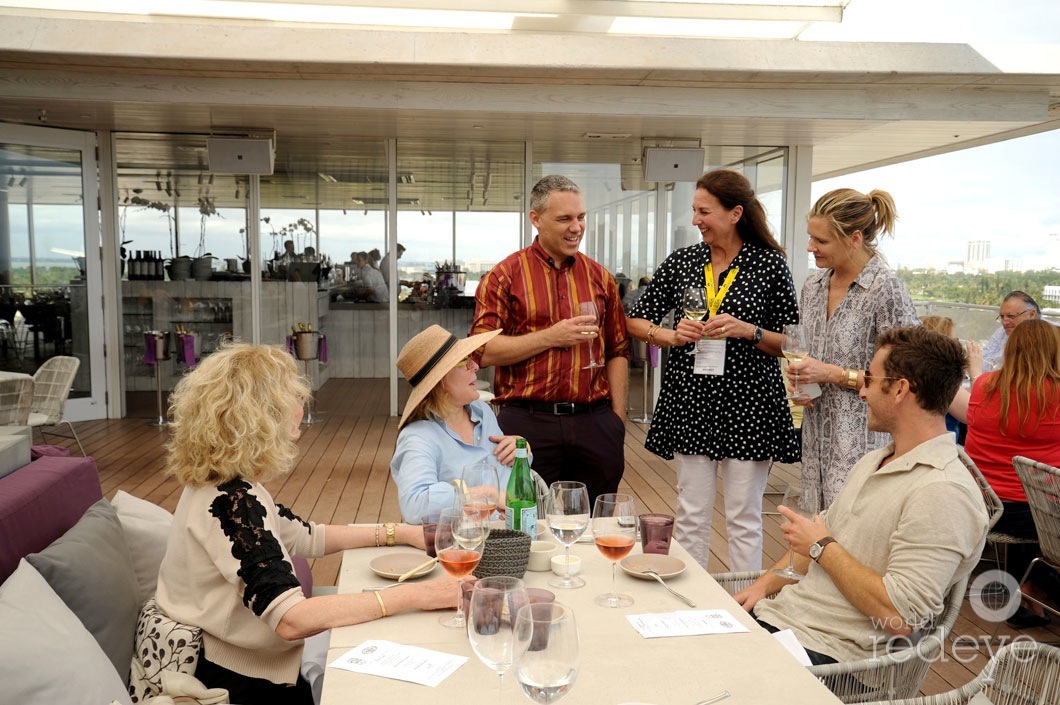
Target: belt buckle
[(563, 408)]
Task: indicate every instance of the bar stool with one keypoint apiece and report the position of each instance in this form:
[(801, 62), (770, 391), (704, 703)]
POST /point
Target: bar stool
[(306, 345), (156, 351)]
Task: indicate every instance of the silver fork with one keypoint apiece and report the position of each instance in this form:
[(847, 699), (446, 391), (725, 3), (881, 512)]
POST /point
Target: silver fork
[(673, 592)]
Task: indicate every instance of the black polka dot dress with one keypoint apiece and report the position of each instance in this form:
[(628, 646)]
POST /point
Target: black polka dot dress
[(742, 414)]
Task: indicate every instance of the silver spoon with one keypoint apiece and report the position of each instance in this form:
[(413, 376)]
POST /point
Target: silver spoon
[(717, 698), (673, 592)]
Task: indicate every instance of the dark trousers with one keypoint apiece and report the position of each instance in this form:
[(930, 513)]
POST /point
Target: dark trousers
[(1017, 521), (252, 691), (586, 447)]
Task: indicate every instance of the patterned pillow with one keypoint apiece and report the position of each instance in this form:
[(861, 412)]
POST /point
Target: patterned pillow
[(161, 644)]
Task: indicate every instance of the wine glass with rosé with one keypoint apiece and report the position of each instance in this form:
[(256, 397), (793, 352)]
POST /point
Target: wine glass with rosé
[(458, 541), (614, 532), (480, 485)]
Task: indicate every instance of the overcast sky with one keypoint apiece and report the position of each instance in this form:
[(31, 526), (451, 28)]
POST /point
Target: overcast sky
[(1004, 192)]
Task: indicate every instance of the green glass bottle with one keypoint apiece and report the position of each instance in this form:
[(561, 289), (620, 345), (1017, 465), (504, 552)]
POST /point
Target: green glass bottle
[(520, 499)]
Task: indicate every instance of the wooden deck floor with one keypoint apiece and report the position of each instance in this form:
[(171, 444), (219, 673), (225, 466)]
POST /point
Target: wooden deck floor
[(343, 476)]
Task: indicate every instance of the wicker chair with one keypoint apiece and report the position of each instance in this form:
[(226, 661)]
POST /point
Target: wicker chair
[(897, 674), (1020, 673), (999, 540), (1041, 482), (51, 387)]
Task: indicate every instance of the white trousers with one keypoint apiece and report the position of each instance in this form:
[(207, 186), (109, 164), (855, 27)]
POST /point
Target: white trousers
[(744, 482)]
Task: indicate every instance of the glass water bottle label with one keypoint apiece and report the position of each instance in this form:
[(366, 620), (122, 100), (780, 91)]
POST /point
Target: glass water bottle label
[(528, 521)]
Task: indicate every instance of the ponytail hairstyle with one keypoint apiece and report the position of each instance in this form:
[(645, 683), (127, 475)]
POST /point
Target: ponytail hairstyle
[(847, 211)]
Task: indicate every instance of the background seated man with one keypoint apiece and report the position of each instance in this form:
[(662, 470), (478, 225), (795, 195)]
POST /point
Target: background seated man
[(1016, 307), (908, 524)]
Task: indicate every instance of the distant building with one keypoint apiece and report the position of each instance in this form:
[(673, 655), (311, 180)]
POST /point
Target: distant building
[(1052, 293), (978, 255)]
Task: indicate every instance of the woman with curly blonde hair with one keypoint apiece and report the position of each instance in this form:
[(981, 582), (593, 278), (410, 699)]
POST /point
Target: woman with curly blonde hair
[(227, 568)]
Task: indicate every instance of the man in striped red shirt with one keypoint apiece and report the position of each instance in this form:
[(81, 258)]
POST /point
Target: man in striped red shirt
[(573, 414)]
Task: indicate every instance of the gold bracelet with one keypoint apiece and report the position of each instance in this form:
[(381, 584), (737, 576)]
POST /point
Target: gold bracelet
[(391, 528), (852, 379), (379, 598), (651, 334), (377, 528)]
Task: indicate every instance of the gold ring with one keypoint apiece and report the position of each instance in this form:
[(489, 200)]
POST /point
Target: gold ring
[(723, 330)]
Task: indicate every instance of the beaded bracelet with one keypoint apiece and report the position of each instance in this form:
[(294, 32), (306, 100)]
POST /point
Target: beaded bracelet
[(377, 528)]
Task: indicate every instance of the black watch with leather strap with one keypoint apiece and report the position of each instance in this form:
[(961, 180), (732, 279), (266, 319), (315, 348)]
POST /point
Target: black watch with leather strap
[(816, 549), (757, 338)]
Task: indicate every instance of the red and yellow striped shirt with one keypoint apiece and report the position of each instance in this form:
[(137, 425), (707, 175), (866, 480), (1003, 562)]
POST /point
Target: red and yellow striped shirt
[(528, 292)]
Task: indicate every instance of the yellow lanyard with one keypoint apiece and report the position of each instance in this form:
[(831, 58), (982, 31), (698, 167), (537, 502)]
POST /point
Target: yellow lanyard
[(714, 299)]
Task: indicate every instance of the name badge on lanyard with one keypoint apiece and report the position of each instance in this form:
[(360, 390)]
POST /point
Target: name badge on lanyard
[(710, 354)]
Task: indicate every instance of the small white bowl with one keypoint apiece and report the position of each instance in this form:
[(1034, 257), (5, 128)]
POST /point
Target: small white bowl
[(540, 554), (559, 565)]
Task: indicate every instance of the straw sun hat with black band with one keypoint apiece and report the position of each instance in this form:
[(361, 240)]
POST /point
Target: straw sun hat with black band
[(431, 355)]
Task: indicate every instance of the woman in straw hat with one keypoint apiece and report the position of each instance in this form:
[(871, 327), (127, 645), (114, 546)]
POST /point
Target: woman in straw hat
[(227, 567), (444, 426)]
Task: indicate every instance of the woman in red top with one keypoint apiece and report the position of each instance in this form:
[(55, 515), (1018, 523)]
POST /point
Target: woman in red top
[(1016, 411)]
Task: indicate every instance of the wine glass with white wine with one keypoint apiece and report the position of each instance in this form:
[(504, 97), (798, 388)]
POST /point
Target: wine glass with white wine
[(694, 305), (795, 346), (588, 308), (567, 511), (546, 664), (804, 503)]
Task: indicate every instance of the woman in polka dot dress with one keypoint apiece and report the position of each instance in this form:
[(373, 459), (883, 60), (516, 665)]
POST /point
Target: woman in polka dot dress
[(731, 417)]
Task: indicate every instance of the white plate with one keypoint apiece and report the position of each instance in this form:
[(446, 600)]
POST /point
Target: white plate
[(394, 565), (665, 566)]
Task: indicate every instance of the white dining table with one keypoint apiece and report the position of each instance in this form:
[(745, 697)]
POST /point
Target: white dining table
[(617, 666)]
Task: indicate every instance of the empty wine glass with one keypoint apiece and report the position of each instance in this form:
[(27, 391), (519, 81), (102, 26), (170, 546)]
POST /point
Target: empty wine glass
[(804, 503), (588, 308), (694, 305), (458, 541), (567, 511), (614, 530), (495, 604), (546, 647), (795, 346)]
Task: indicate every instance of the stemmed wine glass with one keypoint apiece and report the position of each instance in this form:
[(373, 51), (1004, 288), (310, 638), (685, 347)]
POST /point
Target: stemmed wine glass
[(459, 540), (567, 511), (546, 639), (795, 346), (694, 304), (479, 483), (804, 503), (614, 531), (495, 604), (588, 308)]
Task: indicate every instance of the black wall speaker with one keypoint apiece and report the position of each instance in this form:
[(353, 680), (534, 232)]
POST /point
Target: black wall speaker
[(240, 155), (672, 164)]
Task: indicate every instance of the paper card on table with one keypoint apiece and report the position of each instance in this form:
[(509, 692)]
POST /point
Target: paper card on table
[(404, 663), (685, 623), (787, 639)]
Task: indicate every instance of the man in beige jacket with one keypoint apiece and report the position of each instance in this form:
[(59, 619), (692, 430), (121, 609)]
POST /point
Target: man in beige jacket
[(909, 523)]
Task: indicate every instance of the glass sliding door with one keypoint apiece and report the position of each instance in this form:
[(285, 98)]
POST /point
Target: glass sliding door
[(50, 268)]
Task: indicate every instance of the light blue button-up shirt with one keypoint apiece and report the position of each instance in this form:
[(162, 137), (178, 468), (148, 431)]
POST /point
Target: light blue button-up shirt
[(429, 456)]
